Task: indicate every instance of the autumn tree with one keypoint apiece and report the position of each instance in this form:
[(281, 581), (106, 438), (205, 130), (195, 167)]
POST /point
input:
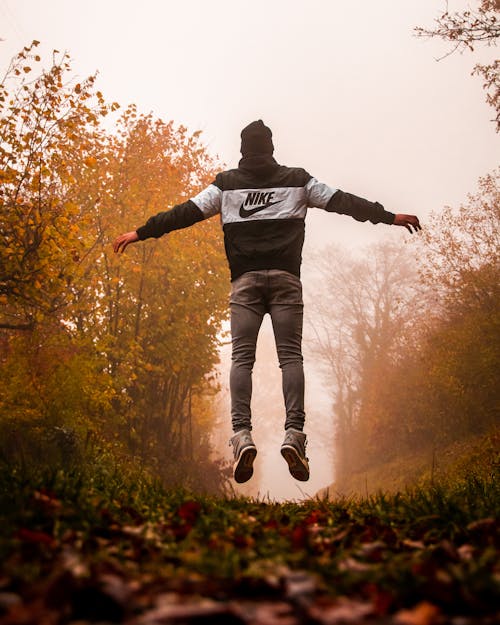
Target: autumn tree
[(117, 351), (160, 306), (365, 314), (461, 266), (436, 382), (465, 30), (49, 138), (49, 143), (462, 251)]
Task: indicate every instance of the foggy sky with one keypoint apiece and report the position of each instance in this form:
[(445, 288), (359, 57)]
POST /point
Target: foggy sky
[(348, 90)]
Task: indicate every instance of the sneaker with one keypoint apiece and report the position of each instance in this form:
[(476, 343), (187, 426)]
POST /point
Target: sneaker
[(293, 451), (244, 454)]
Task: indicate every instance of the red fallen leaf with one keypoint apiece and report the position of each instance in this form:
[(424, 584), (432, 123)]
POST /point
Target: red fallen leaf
[(241, 541), (189, 511), (424, 613), (181, 531), (369, 535), (314, 517), (34, 613), (298, 537), (382, 600), (107, 516), (33, 536), (483, 525), (272, 524)]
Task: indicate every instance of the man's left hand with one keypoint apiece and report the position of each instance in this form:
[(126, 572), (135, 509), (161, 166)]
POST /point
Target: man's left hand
[(410, 222)]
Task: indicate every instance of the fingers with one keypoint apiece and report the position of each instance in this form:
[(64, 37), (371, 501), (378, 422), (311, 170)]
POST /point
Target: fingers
[(410, 222), (124, 240), (120, 244), (416, 227), (415, 223)]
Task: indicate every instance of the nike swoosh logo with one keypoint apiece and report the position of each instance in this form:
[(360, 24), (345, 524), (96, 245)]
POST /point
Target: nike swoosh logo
[(247, 212)]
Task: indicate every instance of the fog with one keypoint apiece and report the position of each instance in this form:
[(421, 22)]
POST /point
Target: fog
[(350, 94)]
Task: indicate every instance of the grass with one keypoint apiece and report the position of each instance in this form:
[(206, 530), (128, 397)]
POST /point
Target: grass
[(437, 544), (474, 456)]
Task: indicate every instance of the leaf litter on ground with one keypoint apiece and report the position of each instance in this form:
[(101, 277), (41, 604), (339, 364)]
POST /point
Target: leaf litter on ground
[(74, 554)]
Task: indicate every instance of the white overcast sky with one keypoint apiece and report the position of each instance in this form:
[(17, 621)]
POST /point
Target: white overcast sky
[(348, 90)]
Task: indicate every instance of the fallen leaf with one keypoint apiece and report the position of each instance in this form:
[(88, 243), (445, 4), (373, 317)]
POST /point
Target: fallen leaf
[(350, 564), (184, 613), (344, 610), (424, 613)]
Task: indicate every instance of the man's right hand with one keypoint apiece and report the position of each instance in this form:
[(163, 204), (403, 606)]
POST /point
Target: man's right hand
[(121, 242)]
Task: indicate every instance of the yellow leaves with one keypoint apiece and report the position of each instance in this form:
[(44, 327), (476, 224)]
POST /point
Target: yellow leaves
[(7, 176), (78, 187), (70, 207)]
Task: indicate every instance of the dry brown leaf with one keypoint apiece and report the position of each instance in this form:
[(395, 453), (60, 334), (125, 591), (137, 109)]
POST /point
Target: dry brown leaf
[(424, 613)]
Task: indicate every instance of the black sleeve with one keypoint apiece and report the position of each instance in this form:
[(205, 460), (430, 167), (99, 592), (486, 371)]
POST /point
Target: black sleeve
[(180, 216), (358, 208)]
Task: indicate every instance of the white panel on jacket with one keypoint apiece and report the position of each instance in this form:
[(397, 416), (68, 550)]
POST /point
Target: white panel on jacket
[(240, 205), (209, 200), (318, 193)]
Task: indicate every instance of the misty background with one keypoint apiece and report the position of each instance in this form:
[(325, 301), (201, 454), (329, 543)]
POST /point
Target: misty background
[(350, 94)]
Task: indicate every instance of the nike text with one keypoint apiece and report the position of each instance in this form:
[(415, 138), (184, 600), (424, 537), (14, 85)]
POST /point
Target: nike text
[(259, 197)]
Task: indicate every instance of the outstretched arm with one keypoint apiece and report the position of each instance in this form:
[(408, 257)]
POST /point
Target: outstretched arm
[(202, 206), (364, 210), (337, 201)]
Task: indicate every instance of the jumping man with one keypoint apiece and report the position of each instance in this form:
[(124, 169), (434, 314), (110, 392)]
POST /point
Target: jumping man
[(263, 207)]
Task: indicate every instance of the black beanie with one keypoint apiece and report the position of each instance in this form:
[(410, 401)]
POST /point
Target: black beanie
[(256, 138)]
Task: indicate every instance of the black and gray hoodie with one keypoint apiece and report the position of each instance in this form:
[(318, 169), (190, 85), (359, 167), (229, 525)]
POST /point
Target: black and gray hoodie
[(262, 207)]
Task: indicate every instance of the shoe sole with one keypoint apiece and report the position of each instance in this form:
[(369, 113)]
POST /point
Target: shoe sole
[(297, 466), (243, 467)]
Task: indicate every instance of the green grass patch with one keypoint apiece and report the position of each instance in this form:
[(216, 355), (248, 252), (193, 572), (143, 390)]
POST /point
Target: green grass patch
[(65, 533)]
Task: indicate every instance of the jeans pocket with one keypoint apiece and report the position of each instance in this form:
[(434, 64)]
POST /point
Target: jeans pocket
[(243, 289), (286, 289)]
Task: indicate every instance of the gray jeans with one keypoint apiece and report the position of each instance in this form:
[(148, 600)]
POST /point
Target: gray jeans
[(254, 294)]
